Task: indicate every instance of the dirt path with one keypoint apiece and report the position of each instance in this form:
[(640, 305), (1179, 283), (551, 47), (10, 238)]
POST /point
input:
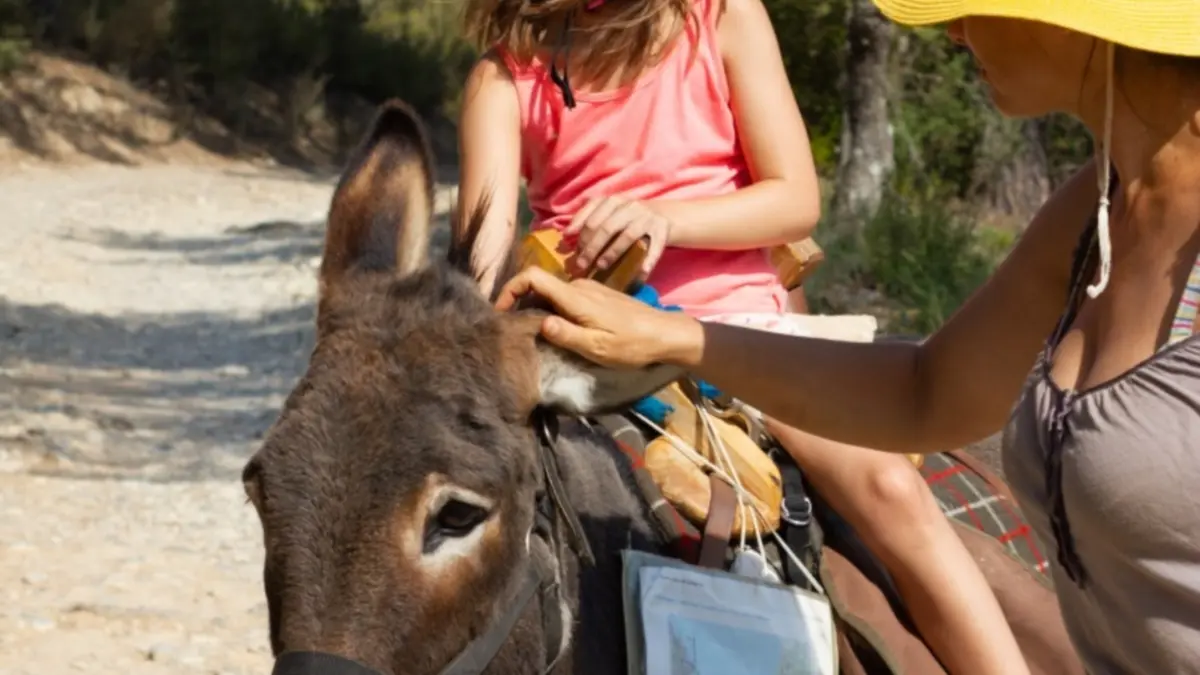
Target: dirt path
[(151, 321)]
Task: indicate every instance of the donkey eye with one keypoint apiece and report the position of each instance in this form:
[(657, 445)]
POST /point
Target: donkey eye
[(457, 519), (455, 515)]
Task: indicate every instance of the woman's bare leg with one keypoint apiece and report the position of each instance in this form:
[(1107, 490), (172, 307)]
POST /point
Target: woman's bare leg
[(888, 503)]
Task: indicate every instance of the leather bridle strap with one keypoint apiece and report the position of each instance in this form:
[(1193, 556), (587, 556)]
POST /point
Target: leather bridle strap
[(547, 425), (473, 659), (318, 663), (479, 653)]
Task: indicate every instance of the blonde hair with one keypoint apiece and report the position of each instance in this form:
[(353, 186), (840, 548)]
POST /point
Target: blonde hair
[(630, 38)]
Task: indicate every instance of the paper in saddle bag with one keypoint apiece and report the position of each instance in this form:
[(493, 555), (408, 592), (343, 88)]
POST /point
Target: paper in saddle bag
[(686, 620)]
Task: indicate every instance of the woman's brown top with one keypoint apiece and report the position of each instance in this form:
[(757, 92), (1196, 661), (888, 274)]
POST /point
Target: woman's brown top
[(1110, 477)]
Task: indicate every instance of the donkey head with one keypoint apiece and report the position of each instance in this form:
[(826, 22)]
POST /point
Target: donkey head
[(397, 488)]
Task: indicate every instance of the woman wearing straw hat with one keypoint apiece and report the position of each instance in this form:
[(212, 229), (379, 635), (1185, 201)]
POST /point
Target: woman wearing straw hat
[(1081, 346)]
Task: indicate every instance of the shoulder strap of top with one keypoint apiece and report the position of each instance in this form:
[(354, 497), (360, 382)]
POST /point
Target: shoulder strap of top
[(1083, 267)]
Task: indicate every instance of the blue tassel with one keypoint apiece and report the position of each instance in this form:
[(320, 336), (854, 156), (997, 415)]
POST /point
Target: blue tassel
[(654, 410), (650, 407), (707, 390)]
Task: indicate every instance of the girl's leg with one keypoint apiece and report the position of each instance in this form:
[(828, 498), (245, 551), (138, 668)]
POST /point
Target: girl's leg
[(887, 502), (797, 301)]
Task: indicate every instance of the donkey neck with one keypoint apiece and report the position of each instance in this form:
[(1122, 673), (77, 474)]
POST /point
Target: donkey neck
[(600, 486)]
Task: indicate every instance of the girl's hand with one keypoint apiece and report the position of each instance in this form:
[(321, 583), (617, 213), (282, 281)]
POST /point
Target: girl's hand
[(606, 326), (607, 227)]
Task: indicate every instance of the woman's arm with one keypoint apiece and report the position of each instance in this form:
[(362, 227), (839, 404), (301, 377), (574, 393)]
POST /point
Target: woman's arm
[(783, 203), (489, 134), (956, 387)]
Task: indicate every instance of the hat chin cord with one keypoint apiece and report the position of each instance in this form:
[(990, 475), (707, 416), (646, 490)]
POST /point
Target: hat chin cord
[(1104, 179)]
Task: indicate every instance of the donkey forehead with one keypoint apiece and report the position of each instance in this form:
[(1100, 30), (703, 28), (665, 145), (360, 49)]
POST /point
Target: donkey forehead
[(396, 405), (321, 459), (428, 336)]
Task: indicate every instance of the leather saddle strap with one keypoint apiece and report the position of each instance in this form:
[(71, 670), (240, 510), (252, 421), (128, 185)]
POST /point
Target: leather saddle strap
[(718, 528)]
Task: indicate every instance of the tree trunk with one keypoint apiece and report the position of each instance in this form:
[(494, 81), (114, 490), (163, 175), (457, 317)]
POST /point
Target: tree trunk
[(1014, 172), (867, 155)]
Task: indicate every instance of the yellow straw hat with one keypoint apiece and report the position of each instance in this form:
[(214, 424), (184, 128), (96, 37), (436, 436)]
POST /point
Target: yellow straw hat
[(1163, 26)]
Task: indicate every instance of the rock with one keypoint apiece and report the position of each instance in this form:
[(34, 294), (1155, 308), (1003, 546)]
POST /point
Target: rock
[(34, 578), (162, 652), (233, 370), (37, 623), (115, 422)]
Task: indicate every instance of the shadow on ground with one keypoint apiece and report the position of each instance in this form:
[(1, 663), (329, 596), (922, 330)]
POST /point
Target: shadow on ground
[(277, 241), (168, 396), (177, 396)]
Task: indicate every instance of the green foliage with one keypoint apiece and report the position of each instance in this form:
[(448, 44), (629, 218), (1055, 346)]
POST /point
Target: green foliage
[(524, 212), (923, 259), (373, 49), (407, 48), (812, 35), (14, 42), (12, 54), (940, 148), (1067, 144)]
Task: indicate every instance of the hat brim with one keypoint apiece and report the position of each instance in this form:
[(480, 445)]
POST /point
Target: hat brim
[(1161, 26)]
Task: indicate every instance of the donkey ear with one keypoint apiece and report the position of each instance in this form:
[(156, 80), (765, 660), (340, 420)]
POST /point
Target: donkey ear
[(571, 384), (379, 218)]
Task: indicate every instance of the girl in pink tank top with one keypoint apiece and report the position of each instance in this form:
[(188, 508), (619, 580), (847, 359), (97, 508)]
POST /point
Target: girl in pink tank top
[(674, 120)]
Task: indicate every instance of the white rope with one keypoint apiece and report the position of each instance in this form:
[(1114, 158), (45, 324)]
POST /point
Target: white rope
[(1103, 180), (715, 440), (699, 459)]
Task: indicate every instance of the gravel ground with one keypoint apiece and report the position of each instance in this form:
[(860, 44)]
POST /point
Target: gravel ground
[(151, 321)]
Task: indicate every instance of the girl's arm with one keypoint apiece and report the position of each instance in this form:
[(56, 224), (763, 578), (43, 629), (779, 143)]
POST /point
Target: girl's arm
[(956, 387), (783, 203), (489, 135)]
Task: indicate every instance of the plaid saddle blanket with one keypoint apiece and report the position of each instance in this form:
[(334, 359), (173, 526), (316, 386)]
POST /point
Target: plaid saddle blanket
[(967, 491)]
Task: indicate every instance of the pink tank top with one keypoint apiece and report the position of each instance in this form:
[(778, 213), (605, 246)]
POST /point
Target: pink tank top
[(668, 135)]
